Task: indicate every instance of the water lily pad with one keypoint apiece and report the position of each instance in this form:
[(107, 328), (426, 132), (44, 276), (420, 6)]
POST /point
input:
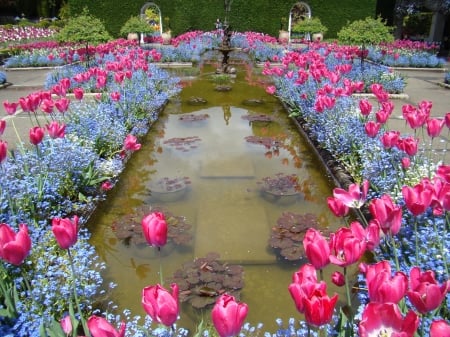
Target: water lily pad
[(193, 117), (183, 143), (205, 278), (258, 118), (129, 229), (197, 100)]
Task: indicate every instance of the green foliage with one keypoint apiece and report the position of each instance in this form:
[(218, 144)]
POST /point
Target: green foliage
[(367, 31), (84, 28), (257, 16), (136, 25), (309, 25)]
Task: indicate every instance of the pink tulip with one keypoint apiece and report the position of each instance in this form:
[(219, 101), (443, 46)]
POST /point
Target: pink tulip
[(100, 327), (372, 128), (47, 105), (106, 185), (115, 96), (377, 318), (409, 145), (14, 248), (337, 207), (390, 139), (338, 279), (387, 213), (66, 325), (379, 92), (36, 135), (2, 126), (271, 89), (304, 282), (78, 93), (154, 227), (425, 293), (447, 119), (3, 150), (130, 143), (443, 171), (228, 316), (56, 130), (406, 163), (316, 248), (440, 328), (382, 286), (434, 127), (10, 108), (160, 305), (62, 104), (346, 247), (319, 307), (65, 231), (356, 195), (365, 107), (101, 82), (417, 198)]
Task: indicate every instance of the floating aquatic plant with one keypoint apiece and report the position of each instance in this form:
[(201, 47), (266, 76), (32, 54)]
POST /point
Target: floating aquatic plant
[(268, 142), (129, 228), (202, 280), (258, 118), (193, 117), (183, 143), (287, 236), (281, 185), (166, 184), (197, 100)]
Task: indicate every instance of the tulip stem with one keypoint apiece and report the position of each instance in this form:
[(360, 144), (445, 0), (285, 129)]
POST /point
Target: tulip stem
[(349, 301), (77, 302), (160, 267)]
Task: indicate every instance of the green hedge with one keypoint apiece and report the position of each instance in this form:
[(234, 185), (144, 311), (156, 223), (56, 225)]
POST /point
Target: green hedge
[(258, 16)]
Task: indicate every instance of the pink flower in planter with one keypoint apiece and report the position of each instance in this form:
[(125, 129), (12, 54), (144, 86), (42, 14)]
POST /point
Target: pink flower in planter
[(372, 128), (36, 135), (387, 213), (3, 150), (100, 327), (417, 198), (130, 143), (356, 195), (347, 246), (271, 89), (154, 227), (440, 328), (365, 107), (2, 126), (62, 104), (337, 207), (14, 247), (447, 119), (228, 315), (390, 139), (56, 130), (434, 127), (65, 231), (10, 107), (160, 305), (316, 248), (78, 93), (379, 319), (379, 92)]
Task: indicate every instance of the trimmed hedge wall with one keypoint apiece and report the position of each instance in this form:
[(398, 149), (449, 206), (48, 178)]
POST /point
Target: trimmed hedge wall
[(258, 16)]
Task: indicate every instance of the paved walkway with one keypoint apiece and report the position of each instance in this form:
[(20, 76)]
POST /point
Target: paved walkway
[(421, 85)]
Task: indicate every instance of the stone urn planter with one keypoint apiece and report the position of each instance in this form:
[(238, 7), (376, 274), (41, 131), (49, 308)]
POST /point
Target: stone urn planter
[(133, 36), (317, 37), (283, 36), (166, 37)]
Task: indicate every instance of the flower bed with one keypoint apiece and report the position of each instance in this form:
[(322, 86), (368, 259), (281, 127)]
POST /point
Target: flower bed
[(315, 87)]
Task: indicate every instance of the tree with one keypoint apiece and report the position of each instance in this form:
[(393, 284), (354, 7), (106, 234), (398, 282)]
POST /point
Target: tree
[(405, 7)]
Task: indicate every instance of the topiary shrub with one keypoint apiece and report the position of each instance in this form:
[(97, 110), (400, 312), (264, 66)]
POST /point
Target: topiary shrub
[(365, 32), (136, 25), (84, 28)]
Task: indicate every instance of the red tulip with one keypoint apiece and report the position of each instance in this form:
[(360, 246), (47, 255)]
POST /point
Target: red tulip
[(346, 247), (417, 198), (425, 293), (337, 207), (306, 273), (355, 196), (304, 281), (316, 248), (319, 307), (160, 305), (228, 315), (388, 214), (154, 226), (130, 143), (36, 135), (435, 126), (338, 279), (378, 318), (372, 128), (440, 328), (65, 231), (3, 150), (100, 327), (382, 286), (56, 130), (365, 107), (14, 248)]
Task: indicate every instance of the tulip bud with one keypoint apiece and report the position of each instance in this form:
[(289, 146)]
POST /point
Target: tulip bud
[(65, 231), (228, 315), (338, 279), (154, 226)]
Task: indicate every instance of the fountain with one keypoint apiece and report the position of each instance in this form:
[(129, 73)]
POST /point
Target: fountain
[(225, 47)]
